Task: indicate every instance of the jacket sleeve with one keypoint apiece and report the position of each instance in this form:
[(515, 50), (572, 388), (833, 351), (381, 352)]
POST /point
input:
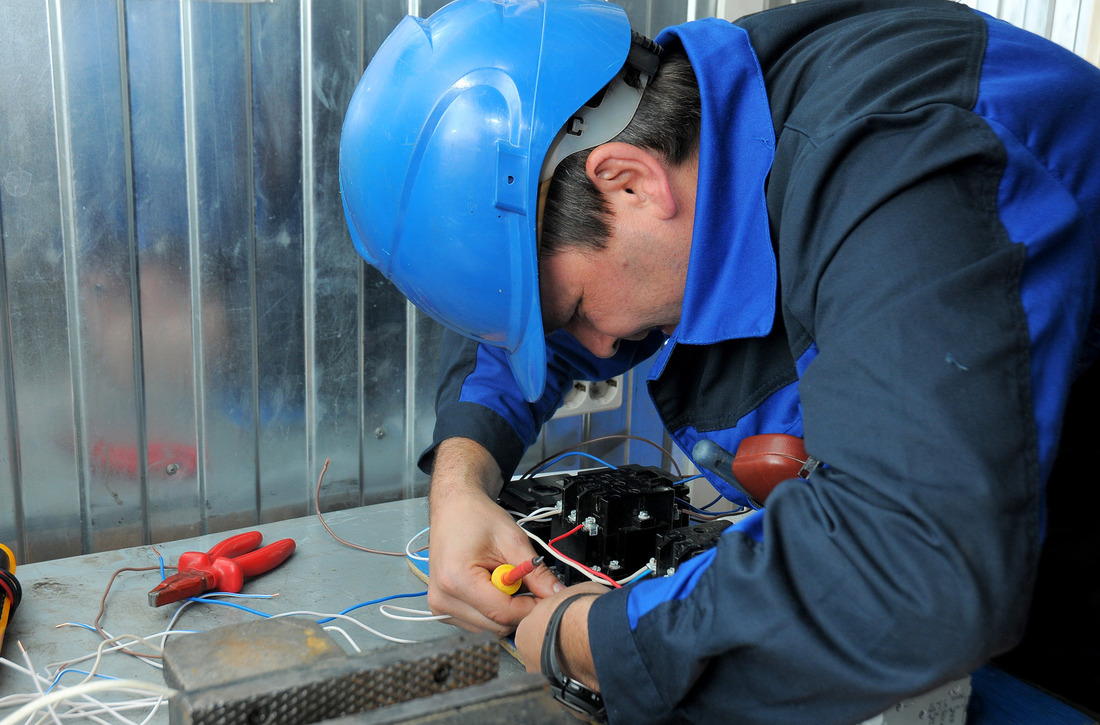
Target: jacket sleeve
[(906, 560), (478, 397)]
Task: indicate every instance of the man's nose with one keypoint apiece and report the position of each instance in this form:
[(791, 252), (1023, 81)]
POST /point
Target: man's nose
[(595, 342)]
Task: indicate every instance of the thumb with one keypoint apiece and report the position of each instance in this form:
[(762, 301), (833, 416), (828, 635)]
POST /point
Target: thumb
[(542, 582)]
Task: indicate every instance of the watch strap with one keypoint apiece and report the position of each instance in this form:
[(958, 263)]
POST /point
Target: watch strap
[(572, 693)]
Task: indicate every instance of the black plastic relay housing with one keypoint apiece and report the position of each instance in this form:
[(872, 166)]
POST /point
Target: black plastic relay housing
[(629, 517), (676, 546)]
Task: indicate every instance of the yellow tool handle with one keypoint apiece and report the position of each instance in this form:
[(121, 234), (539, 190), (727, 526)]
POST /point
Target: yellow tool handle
[(5, 613)]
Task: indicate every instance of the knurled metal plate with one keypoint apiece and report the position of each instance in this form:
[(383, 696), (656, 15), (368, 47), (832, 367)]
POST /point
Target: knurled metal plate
[(336, 687)]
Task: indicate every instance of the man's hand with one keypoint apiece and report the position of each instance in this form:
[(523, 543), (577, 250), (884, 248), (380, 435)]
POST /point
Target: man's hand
[(470, 536), (575, 657)]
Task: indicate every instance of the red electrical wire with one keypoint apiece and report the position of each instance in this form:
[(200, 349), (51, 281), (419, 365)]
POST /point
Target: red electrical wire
[(8, 594), (575, 529), (571, 531)]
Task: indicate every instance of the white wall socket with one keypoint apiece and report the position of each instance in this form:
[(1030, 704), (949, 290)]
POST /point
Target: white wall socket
[(592, 396)]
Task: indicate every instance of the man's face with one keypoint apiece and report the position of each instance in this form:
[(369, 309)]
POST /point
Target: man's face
[(633, 285)]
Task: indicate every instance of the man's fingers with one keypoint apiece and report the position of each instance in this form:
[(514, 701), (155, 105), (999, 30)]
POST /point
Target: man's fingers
[(471, 620), (542, 583), (479, 606)]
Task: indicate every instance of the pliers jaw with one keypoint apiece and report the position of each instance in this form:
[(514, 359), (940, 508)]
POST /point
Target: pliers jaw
[(179, 586)]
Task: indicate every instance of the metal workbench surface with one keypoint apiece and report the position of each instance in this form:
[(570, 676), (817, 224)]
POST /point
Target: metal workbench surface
[(322, 576)]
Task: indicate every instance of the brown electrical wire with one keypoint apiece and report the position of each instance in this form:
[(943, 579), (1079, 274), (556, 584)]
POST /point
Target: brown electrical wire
[(317, 505), (358, 547), (103, 609)]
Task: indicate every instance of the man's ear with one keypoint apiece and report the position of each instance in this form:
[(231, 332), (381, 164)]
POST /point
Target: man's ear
[(631, 175)]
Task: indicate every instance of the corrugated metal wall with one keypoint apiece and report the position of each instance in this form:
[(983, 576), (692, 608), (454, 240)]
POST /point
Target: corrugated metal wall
[(1073, 24), (186, 333)]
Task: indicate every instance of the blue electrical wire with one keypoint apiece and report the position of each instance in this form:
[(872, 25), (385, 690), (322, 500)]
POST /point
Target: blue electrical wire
[(701, 509), (233, 605), (57, 677), (88, 627), (551, 462), (375, 601), (265, 615), (704, 508)]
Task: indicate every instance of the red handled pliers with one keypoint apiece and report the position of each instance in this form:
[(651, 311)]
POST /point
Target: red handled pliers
[(222, 569)]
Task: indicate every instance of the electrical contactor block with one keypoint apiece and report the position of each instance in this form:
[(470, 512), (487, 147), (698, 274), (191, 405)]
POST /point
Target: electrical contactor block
[(621, 512), (678, 545), (616, 521)]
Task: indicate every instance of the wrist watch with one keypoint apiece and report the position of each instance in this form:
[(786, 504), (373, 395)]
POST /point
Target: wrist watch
[(571, 693)]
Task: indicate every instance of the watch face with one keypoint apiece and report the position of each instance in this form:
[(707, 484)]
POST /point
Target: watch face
[(580, 698)]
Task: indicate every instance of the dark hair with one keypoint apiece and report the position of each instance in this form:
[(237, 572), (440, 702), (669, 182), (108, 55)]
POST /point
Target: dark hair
[(666, 122)]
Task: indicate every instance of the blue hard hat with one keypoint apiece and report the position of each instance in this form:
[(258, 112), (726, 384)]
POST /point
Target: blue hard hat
[(442, 149)]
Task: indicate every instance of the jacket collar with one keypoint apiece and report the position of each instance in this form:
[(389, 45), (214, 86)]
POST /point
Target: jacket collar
[(731, 278)]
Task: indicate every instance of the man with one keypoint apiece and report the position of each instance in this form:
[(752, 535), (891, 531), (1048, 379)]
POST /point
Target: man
[(870, 224)]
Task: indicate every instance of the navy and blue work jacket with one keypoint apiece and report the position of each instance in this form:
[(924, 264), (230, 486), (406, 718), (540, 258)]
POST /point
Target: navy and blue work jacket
[(895, 257)]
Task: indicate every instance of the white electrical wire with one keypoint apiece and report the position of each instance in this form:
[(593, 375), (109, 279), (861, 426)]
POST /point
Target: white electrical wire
[(155, 706), (118, 645), (37, 682), (62, 694), (408, 547), (86, 709), (346, 618), (550, 511), (537, 515), (544, 513), (564, 560), (626, 580), (7, 701), (354, 646), (420, 615), (198, 600), (90, 710)]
